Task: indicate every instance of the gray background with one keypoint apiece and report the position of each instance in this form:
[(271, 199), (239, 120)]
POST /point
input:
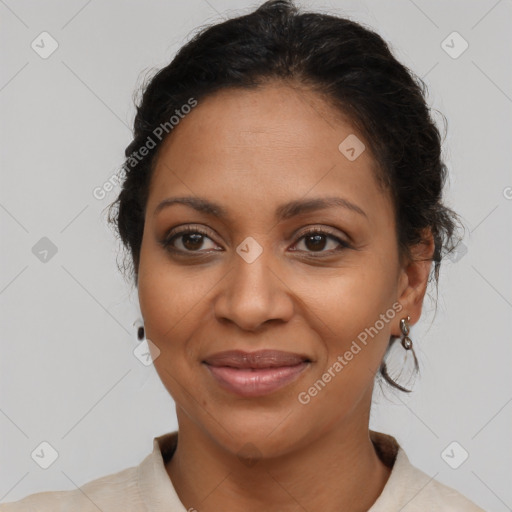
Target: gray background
[(68, 374)]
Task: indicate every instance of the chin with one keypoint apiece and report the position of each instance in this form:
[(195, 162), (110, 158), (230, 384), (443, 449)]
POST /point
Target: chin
[(266, 434)]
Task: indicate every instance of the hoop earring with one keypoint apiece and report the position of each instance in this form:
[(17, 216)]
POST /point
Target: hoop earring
[(405, 328), (409, 366)]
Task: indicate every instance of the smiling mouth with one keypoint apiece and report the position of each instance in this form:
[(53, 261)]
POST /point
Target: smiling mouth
[(253, 374)]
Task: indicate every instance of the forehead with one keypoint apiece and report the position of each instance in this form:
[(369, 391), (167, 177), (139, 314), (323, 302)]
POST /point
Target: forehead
[(265, 145)]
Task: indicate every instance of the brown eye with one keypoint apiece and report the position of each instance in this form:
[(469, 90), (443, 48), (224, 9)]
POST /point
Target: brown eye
[(191, 240), (315, 242), (322, 242)]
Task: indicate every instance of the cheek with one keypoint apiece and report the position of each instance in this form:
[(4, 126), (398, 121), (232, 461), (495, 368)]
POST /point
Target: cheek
[(163, 298), (355, 296), (166, 306), (173, 301), (355, 314)]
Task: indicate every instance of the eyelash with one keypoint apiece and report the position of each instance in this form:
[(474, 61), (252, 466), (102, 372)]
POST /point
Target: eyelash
[(168, 240)]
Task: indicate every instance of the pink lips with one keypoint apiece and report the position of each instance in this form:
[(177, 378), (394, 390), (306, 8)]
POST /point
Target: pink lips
[(252, 374)]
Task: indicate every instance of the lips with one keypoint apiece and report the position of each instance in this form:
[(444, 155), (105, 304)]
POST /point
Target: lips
[(259, 359), (252, 374)]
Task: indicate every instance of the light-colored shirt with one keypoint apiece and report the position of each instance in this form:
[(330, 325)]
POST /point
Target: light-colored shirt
[(148, 488)]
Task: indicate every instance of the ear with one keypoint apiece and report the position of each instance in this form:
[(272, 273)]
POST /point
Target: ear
[(414, 279)]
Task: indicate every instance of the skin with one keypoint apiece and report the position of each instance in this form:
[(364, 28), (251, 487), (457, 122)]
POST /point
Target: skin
[(252, 151)]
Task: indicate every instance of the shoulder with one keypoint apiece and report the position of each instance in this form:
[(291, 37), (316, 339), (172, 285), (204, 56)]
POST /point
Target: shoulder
[(426, 493), (409, 489), (117, 491), (134, 489)]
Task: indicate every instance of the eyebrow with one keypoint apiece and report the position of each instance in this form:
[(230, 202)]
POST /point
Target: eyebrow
[(283, 212)]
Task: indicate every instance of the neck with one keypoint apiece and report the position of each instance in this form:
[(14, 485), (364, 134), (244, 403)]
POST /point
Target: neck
[(338, 471)]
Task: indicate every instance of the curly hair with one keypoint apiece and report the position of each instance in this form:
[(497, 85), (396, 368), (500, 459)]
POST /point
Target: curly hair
[(348, 65)]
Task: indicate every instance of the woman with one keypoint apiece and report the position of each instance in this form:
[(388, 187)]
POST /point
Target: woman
[(282, 206)]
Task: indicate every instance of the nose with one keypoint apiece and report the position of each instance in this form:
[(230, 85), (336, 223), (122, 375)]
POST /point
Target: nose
[(253, 294)]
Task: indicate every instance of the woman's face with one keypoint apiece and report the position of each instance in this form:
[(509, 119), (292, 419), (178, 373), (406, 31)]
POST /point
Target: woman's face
[(260, 169)]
